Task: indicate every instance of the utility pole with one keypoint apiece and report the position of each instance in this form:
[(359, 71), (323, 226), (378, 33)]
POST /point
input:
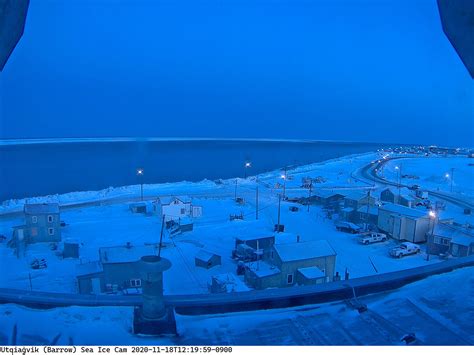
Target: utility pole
[(161, 236), (140, 173), (368, 206), (279, 206), (256, 199), (310, 191), (235, 190), (284, 182)]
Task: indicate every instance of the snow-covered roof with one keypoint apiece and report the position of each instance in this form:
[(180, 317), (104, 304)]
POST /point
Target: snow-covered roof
[(347, 209), (402, 210), (304, 250), (41, 208), (403, 190), (88, 268), (373, 210), (248, 237), (326, 193), (166, 200), (204, 255), (408, 197), (462, 240), (450, 231), (263, 269), (141, 203), (311, 272), (125, 254)]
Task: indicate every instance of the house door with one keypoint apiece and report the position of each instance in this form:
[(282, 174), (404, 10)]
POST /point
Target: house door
[(95, 285)]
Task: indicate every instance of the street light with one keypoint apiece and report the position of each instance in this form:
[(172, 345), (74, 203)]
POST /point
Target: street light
[(140, 173), (399, 170), (247, 166), (432, 215), (283, 176)]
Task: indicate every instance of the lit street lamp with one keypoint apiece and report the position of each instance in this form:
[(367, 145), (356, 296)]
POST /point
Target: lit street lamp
[(247, 165), (398, 169), (432, 215), (283, 176), (140, 173)]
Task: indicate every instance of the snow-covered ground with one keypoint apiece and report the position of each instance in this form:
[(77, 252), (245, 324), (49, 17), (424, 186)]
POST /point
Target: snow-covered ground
[(434, 173), (113, 224), (436, 314)]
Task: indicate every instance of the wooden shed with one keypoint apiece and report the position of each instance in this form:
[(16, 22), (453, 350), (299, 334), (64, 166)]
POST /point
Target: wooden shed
[(207, 259)]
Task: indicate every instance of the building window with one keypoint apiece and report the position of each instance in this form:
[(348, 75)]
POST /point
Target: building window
[(289, 279), (135, 283), (183, 210), (445, 241), (437, 240), (50, 219), (34, 219), (51, 231)]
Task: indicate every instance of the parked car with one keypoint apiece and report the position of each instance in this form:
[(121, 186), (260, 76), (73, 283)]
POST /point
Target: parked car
[(414, 187), (404, 249), (372, 237), (348, 227)]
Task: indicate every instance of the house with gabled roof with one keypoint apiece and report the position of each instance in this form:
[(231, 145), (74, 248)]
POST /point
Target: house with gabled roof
[(176, 207), (302, 263)]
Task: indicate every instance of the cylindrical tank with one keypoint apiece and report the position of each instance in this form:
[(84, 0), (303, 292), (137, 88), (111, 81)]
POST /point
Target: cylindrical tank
[(151, 272)]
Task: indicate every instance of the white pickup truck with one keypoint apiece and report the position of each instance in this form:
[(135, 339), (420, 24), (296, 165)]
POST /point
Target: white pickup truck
[(405, 249), (372, 237)]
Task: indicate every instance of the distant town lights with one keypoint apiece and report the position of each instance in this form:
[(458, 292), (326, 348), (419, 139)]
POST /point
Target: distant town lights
[(140, 171), (446, 175), (432, 214), (283, 176), (248, 164)]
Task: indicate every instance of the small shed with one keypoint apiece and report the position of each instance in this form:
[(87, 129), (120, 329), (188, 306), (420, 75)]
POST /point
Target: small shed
[(71, 248), (311, 275), (207, 259), (141, 207)]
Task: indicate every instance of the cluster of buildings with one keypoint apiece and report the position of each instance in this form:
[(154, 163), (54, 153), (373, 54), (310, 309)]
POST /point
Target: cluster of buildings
[(402, 214), (262, 262)]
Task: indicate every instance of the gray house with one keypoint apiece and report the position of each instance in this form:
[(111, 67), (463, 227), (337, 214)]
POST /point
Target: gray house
[(405, 197), (357, 199), (327, 198), (404, 223), (354, 202), (303, 263), (450, 239), (117, 269), (42, 224)]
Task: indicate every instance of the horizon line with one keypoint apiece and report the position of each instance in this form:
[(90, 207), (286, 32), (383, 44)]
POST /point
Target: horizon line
[(26, 141)]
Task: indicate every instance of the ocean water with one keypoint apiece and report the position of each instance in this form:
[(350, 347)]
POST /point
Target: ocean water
[(40, 169)]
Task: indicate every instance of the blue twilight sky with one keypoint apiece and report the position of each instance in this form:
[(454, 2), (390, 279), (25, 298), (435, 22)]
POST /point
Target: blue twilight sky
[(362, 70)]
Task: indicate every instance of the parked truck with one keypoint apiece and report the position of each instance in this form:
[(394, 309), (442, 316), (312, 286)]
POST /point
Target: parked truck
[(405, 249)]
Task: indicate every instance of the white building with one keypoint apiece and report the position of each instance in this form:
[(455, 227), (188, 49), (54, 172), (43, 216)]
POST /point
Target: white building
[(404, 223), (176, 207)]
